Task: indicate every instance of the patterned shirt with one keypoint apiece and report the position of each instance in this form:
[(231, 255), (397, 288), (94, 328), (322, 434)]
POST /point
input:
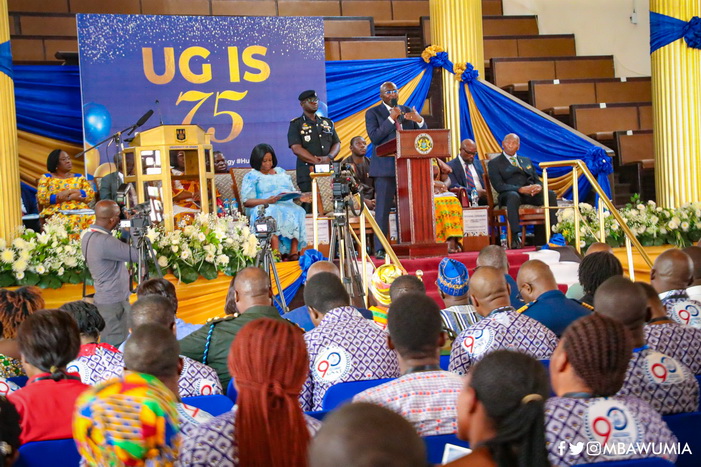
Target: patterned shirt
[(681, 308), (459, 317), (427, 399), (213, 443), (663, 382), (504, 328), (197, 379), (10, 367), (97, 363), (345, 347), (680, 342), (606, 421), (191, 418), (7, 387)]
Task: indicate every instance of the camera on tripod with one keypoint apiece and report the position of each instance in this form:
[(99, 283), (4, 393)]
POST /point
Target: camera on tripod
[(344, 182), (264, 226), (140, 220)]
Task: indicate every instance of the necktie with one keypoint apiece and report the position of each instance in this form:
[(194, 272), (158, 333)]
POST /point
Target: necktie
[(513, 161), (397, 124), (468, 178)]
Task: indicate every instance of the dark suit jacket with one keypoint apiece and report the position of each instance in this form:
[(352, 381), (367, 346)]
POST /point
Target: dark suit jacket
[(109, 186), (506, 177), (380, 130), (457, 177)]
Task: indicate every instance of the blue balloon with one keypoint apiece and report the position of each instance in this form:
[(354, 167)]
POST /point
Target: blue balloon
[(97, 122), (323, 109)]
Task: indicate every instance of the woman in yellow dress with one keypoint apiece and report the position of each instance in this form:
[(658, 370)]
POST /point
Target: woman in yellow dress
[(448, 212), (60, 190)]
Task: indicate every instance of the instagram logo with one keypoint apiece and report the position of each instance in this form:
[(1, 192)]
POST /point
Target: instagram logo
[(593, 448)]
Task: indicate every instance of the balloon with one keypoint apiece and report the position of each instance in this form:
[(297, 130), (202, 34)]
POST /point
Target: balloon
[(97, 122), (323, 109)]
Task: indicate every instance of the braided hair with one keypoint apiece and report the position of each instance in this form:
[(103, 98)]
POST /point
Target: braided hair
[(268, 360), (512, 387), (595, 268), (599, 349), (15, 306), (9, 430)]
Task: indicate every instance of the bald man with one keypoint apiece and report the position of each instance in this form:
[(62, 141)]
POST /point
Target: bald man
[(672, 273), (250, 297), (106, 256), (501, 326), (694, 290), (546, 303), (515, 179), (495, 256), (467, 172), (663, 382)]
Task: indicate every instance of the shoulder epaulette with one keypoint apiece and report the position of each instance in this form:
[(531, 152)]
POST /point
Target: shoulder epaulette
[(296, 118), (295, 325), (585, 305), (218, 319), (526, 306)]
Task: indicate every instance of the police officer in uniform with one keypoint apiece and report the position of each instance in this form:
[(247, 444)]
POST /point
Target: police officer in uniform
[(313, 139)]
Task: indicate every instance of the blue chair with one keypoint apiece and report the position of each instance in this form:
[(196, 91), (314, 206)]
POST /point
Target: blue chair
[(231, 391), (57, 453), (687, 428), (319, 414), (649, 462), (215, 404), (445, 361), (343, 392), (698, 378), (435, 445), (20, 381), (546, 364)]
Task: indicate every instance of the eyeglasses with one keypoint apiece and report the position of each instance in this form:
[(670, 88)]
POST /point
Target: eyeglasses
[(469, 153), (391, 91), (519, 296)]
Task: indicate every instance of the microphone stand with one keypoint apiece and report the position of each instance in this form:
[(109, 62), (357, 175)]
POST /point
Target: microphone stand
[(117, 138)]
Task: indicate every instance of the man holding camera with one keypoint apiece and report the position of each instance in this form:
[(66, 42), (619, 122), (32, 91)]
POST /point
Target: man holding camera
[(313, 139), (105, 256), (382, 123)]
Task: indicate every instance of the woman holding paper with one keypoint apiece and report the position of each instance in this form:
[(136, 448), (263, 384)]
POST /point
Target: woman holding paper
[(268, 185), (60, 190)]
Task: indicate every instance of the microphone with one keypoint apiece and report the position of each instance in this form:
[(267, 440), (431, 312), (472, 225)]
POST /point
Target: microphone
[(140, 122), (160, 113), (393, 102)]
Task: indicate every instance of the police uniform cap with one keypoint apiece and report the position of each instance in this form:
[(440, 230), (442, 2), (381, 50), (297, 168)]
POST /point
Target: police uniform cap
[(307, 95)]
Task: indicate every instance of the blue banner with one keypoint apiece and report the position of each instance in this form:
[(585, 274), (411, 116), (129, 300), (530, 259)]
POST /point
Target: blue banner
[(238, 76)]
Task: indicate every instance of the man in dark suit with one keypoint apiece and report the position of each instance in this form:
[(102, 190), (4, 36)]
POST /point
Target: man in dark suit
[(467, 173), (382, 122), (109, 185), (516, 181)]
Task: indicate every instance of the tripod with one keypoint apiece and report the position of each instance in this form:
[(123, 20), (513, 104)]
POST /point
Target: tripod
[(265, 261), (146, 254), (342, 242)]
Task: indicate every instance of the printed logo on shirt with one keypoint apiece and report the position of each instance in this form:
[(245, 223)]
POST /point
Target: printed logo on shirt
[(6, 387), (332, 364), (687, 313), (76, 366), (663, 369), (610, 422), (478, 342), (206, 387)]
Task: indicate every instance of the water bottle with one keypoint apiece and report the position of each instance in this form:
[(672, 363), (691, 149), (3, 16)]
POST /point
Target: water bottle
[(227, 210), (234, 207), (502, 239), (474, 198)]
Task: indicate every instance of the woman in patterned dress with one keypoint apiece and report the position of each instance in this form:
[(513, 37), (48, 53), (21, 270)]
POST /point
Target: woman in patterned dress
[(15, 306), (59, 190), (448, 212)]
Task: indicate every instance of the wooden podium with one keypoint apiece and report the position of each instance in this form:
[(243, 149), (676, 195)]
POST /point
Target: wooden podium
[(413, 150)]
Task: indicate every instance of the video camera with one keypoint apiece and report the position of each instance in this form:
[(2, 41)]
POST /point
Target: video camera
[(140, 219), (264, 226), (344, 182)]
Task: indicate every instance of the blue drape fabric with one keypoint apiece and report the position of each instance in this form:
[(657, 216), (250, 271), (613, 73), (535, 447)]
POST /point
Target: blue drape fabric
[(665, 29), (6, 59)]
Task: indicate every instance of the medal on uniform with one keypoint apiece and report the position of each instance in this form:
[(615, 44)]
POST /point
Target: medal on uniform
[(307, 138)]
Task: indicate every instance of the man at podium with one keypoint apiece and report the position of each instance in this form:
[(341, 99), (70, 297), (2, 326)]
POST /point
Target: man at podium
[(382, 123)]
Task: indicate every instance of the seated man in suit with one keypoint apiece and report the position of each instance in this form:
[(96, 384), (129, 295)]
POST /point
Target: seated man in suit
[(516, 181), (467, 173), (110, 183), (382, 123)]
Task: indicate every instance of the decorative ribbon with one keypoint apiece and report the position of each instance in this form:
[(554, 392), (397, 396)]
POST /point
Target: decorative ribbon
[(665, 29), (465, 72), (435, 56), (309, 257), (6, 59), (598, 162)]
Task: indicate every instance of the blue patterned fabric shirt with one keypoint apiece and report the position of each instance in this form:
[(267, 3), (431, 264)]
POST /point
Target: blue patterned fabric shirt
[(660, 380), (97, 363), (605, 428), (681, 308), (680, 342), (190, 418), (503, 328), (345, 347), (197, 379)]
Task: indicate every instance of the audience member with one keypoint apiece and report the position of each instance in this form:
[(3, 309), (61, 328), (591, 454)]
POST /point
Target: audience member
[(165, 288), (500, 412), (250, 297), (501, 326), (196, 379), (576, 291), (153, 350), (97, 361), (48, 341), (130, 421), (594, 269), (424, 394), (586, 370), (343, 346), (694, 290), (672, 273), (9, 433), (663, 382), (669, 337), (538, 287), (360, 165), (380, 283), (15, 306), (495, 256), (7, 387), (405, 284), (268, 363), (452, 284), (366, 435)]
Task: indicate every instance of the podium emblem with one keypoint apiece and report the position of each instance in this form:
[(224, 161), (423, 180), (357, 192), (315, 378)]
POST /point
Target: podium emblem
[(423, 143), (180, 134)]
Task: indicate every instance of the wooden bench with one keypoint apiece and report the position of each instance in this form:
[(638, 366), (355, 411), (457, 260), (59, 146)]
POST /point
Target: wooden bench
[(636, 153), (509, 25), (349, 26), (364, 48), (600, 121), (513, 74), (552, 45), (556, 96)]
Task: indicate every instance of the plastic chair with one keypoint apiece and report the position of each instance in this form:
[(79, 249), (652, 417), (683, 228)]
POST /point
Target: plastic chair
[(231, 392), (698, 378), (687, 428), (57, 453), (445, 361), (215, 404), (20, 381), (343, 392), (319, 414), (649, 462), (435, 445)]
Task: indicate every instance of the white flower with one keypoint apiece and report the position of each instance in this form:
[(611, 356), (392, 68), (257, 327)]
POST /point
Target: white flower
[(3, 243), (152, 234), (7, 256), (189, 230), (185, 254), (663, 231), (698, 226), (24, 255), (19, 243), (223, 259), (71, 261), (673, 224), (698, 213), (162, 261), (19, 275), (61, 271), (651, 203), (582, 244), (229, 241), (40, 269), (209, 258), (658, 209), (201, 237), (174, 248), (614, 226), (20, 265), (640, 206), (685, 226)]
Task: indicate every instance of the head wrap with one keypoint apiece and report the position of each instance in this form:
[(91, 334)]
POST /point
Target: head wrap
[(382, 278), (452, 277), (126, 422), (52, 160)]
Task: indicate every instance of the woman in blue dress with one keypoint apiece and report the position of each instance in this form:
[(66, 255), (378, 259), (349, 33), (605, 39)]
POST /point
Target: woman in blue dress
[(263, 185)]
